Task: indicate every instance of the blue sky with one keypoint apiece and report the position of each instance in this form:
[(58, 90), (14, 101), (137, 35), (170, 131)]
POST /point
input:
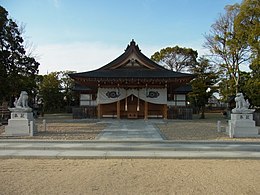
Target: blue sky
[(83, 35)]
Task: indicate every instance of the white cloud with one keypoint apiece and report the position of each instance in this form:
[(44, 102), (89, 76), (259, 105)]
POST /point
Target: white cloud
[(86, 56), (78, 57)]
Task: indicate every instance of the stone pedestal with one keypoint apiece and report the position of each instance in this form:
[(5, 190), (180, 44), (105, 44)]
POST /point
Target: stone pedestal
[(21, 123), (242, 125)]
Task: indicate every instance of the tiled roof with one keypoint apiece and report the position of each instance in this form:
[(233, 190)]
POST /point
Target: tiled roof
[(78, 87), (131, 73), (131, 64), (183, 89), (132, 48)]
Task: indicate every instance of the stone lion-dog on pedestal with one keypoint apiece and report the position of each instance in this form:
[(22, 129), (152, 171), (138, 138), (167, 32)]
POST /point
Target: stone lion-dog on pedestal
[(22, 101)]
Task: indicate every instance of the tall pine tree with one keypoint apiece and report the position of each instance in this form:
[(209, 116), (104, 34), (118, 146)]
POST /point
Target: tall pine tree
[(203, 85), (17, 69)]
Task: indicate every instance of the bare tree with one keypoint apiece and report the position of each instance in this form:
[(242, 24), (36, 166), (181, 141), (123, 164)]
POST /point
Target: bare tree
[(225, 46), (29, 46)]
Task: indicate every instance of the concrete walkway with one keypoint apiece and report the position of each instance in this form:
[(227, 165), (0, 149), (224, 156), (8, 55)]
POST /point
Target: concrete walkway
[(131, 130), (128, 139), (130, 149)]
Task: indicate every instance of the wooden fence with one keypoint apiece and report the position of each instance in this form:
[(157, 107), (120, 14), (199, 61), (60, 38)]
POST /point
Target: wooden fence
[(256, 118), (180, 113), (84, 112), (5, 114)]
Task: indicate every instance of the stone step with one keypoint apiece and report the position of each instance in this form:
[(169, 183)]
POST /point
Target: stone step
[(130, 146)]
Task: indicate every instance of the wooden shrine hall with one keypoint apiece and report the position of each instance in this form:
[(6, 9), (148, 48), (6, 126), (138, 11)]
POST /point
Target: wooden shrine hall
[(131, 86)]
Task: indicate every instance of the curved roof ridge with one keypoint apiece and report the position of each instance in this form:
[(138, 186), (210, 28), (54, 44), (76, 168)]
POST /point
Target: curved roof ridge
[(132, 47)]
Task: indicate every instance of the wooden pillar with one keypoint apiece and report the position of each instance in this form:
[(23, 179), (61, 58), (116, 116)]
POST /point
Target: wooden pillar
[(99, 111), (145, 110), (165, 111), (118, 109)]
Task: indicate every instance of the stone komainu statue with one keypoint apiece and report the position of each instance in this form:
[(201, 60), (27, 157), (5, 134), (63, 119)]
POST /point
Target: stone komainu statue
[(242, 105), (22, 101), (241, 102)]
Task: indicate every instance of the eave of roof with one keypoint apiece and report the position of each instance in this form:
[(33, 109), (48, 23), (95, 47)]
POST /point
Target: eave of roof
[(129, 73), (115, 70), (183, 89), (78, 87)]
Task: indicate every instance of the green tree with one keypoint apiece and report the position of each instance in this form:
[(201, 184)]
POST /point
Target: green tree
[(175, 58), (49, 90), (67, 84), (17, 69), (247, 26), (56, 90), (226, 47), (250, 86), (203, 85), (251, 89)]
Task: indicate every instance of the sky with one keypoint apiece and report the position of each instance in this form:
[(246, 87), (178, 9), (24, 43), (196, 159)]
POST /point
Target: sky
[(83, 35)]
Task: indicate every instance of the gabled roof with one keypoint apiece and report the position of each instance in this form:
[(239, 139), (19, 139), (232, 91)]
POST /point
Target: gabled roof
[(132, 56), (131, 64)]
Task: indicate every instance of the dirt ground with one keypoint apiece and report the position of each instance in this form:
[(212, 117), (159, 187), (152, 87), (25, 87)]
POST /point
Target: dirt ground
[(71, 131), (64, 131), (199, 129), (129, 176), (63, 127), (191, 130)]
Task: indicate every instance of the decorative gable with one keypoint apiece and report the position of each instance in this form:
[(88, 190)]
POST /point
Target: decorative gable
[(132, 68), (132, 58)]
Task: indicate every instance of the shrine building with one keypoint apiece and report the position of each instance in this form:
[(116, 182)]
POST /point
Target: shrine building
[(132, 86)]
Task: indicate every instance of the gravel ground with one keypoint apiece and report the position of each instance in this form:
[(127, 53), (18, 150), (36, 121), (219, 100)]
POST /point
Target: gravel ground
[(64, 131), (191, 130), (62, 127), (199, 129), (129, 176)]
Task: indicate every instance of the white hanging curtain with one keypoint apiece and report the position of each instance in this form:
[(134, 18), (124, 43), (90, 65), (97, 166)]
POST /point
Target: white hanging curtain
[(152, 95), (126, 100), (138, 107), (110, 95)]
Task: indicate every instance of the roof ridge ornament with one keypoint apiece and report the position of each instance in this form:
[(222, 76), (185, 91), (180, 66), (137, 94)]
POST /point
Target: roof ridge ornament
[(133, 44)]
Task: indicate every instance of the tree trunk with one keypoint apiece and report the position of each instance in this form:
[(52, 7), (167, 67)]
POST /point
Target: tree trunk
[(202, 116), (236, 79)]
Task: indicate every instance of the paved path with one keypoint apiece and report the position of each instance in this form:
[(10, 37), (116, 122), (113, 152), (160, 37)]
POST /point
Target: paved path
[(131, 130), (128, 139), (130, 149)]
